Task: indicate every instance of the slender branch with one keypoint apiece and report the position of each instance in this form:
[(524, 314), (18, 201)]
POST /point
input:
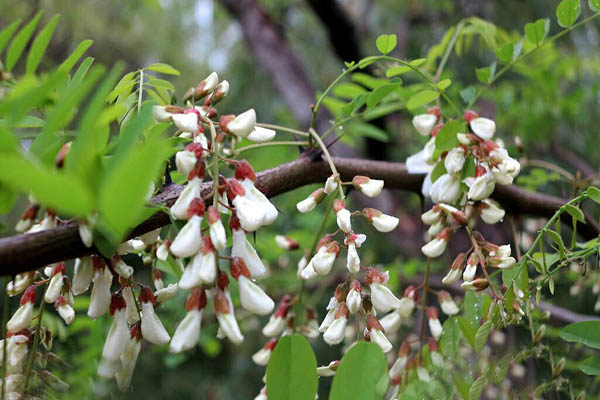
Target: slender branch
[(21, 253)]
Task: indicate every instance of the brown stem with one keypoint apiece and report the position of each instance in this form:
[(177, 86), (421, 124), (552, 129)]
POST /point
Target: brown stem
[(21, 253)]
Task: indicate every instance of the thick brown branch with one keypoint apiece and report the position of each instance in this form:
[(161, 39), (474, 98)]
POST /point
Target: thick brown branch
[(25, 252)]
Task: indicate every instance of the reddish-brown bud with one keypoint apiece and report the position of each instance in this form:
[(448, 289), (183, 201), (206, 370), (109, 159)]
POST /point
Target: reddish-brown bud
[(197, 300), (244, 170), (222, 280), (238, 267), (29, 295), (146, 295), (117, 302), (432, 313), (196, 207), (342, 311), (470, 115), (234, 189), (221, 303), (435, 110), (199, 171)]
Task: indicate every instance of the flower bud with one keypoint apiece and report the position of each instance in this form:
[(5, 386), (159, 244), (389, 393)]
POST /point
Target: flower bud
[(188, 331), (328, 370), (226, 317), (262, 356), (286, 243), (186, 121), (446, 189), (491, 212), (475, 285), (343, 215), (471, 269), (323, 261), (56, 283), (424, 123), (354, 298), (220, 92), (261, 135), (455, 160), (432, 216), (376, 334), (311, 201), (252, 297), (64, 309), (118, 335), (242, 248), (382, 222), (435, 327), (129, 358), (277, 321), (20, 283), (84, 272), (24, 314), (335, 332), (331, 184), (152, 328), (179, 210), (436, 247), (367, 186), (100, 297), (240, 125), (448, 305)]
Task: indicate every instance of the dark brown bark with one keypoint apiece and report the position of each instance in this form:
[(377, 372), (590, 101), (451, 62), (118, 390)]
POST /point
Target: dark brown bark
[(26, 252)]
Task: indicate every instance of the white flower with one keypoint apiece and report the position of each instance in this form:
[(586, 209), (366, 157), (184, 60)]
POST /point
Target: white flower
[(505, 168), (308, 272), (149, 238), (391, 322), (480, 187), (207, 85), (328, 370), (100, 296), (187, 122), (435, 229), (240, 125), (407, 305), (336, 331), (352, 261), (323, 261), (455, 160), (24, 314), (187, 333), (161, 114), (82, 277), (226, 317), (189, 239), (122, 269), (419, 163), (243, 249), (130, 306), (432, 216), (330, 316), (331, 184), (152, 329), (19, 283), (262, 356), (483, 127), (446, 189), (162, 252), (286, 243), (220, 92), (470, 271), (435, 327), (354, 298), (448, 305), (202, 268), (277, 321), (267, 211), (376, 335), (56, 283), (342, 215), (398, 366), (367, 186), (452, 276), (166, 293), (311, 201), (118, 335), (65, 310), (108, 368), (216, 229), (128, 360), (261, 135), (382, 222), (190, 192), (382, 298), (185, 161), (253, 298), (491, 212), (424, 123), (436, 247)]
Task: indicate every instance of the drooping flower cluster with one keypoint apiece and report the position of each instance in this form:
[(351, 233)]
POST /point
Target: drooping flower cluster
[(460, 181)]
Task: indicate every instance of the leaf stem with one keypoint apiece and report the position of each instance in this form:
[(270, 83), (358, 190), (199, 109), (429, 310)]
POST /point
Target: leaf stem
[(260, 145)]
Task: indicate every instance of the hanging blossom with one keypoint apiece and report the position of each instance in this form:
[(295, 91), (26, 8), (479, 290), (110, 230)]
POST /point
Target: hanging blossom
[(465, 178)]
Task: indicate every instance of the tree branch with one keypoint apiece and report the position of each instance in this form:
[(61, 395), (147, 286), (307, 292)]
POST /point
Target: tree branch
[(30, 251)]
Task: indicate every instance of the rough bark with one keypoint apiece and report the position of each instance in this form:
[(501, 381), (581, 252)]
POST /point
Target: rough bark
[(26, 252)]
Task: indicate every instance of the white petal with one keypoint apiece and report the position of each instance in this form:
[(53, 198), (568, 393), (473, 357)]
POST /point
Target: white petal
[(424, 123), (262, 356), (82, 277), (186, 122), (191, 191), (483, 127), (253, 298), (382, 298), (261, 135), (100, 297), (128, 361), (189, 239), (185, 161), (152, 329), (243, 124), (306, 205), (242, 248), (54, 288), (385, 223), (21, 318), (274, 326), (218, 235), (118, 336), (391, 322), (187, 333), (343, 220), (160, 114), (434, 248), (372, 188), (335, 332), (379, 338), (353, 261), (230, 327)]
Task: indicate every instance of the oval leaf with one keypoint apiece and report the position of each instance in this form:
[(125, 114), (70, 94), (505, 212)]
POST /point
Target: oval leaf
[(362, 374), (163, 69), (594, 5), (536, 32), (292, 370), (38, 48), (20, 41), (567, 12), (421, 98), (586, 332), (591, 366), (386, 43), (482, 335)]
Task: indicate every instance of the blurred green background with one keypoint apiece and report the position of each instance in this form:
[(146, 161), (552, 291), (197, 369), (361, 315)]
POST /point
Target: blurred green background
[(550, 102)]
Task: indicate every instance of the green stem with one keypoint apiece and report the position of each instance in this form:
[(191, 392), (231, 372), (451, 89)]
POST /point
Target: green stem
[(139, 105), (329, 160), (282, 128), (449, 48), (260, 145), (424, 304), (4, 320), (36, 340), (482, 89)]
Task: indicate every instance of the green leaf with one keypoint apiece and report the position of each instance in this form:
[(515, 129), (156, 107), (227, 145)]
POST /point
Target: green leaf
[(38, 48), (482, 335), (535, 32), (52, 188), (446, 138), (380, 93), (292, 370), (444, 84), (70, 62), (8, 197), (369, 130), (468, 94), (509, 52), (594, 5), (585, 332), (386, 43), (7, 33), (161, 83), (477, 388), (590, 366), (467, 329), (567, 12), (20, 41), (81, 71), (438, 170), (46, 144), (348, 90), (593, 192), (558, 240), (362, 374), (163, 69), (469, 168), (575, 212), (421, 98), (450, 338), (486, 74)]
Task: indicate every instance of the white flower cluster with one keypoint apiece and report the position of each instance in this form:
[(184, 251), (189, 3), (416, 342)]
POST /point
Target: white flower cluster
[(459, 182)]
